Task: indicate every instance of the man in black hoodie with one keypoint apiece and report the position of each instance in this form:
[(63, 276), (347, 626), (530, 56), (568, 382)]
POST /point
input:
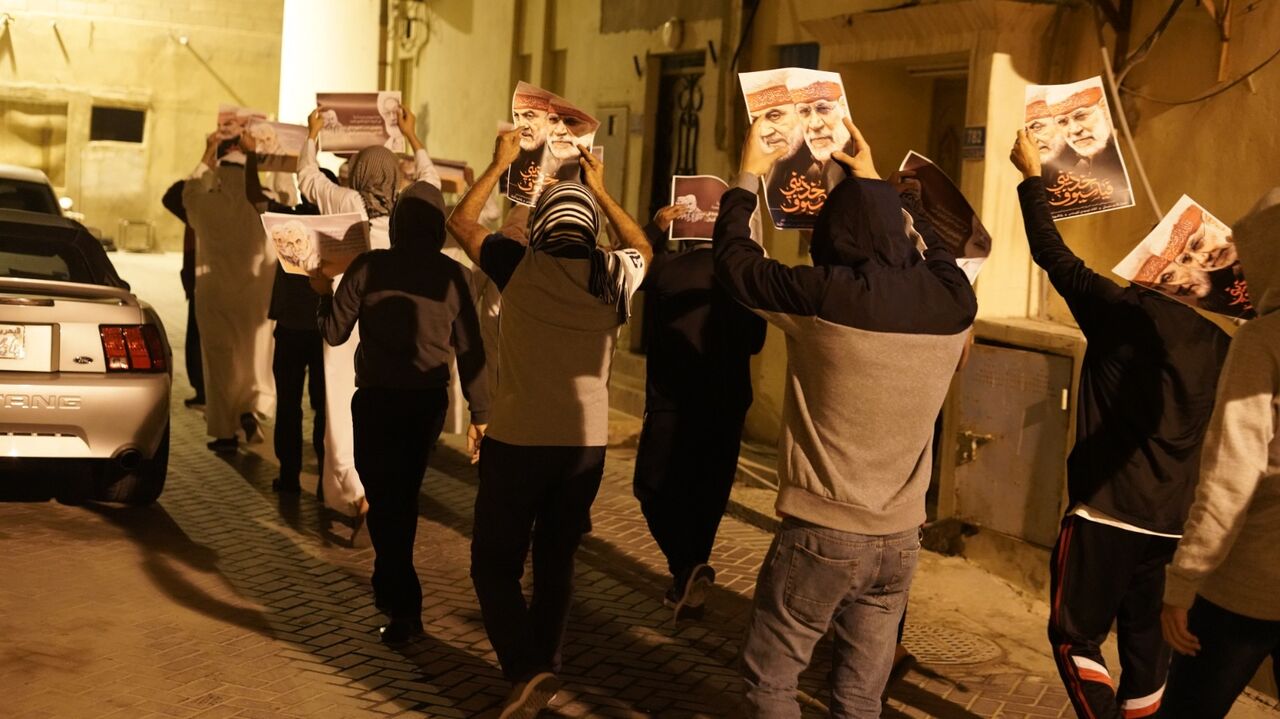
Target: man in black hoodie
[(1146, 393), (697, 391), (874, 334), (415, 312)]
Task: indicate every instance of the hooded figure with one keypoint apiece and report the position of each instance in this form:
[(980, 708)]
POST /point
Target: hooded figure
[(371, 192), (233, 278), (1223, 585), (1143, 402), (413, 306), (874, 333)]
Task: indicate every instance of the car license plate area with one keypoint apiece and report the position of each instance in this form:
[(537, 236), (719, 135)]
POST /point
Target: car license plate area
[(26, 348)]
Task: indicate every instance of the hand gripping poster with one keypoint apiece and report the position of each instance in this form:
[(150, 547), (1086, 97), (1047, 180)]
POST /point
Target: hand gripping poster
[(698, 197), (305, 242), (1083, 169), (1191, 257), (277, 145), (951, 215), (356, 120), (551, 128), (801, 112)]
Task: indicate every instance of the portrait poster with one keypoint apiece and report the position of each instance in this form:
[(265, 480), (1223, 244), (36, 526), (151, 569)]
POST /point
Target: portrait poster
[(232, 120), (802, 113), (277, 145), (304, 242), (551, 129), (698, 197), (1191, 257), (453, 174), (356, 120), (1082, 166), (951, 215)]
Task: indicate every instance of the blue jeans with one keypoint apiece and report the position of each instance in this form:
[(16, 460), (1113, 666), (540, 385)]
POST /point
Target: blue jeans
[(814, 578)]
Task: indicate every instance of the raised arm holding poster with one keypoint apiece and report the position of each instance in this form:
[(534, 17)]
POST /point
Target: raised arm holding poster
[(1191, 257), (1084, 171), (304, 242), (354, 121), (698, 197), (802, 112), (951, 215), (277, 145), (551, 128)]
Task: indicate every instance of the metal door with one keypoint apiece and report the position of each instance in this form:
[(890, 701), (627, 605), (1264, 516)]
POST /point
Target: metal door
[(1011, 441)]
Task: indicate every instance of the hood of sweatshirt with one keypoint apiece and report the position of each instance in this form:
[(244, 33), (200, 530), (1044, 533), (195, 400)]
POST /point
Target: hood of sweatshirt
[(1257, 238), (861, 227), (417, 220)]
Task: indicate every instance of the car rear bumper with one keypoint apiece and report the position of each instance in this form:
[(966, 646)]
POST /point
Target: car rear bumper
[(72, 415)]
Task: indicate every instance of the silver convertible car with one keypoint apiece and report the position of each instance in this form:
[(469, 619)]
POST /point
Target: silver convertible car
[(85, 369)]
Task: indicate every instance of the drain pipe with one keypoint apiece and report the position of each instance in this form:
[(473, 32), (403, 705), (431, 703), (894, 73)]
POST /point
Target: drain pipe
[(1128, 137)]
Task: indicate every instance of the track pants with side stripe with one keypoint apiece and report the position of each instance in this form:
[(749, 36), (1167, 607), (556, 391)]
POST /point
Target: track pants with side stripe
[(1103, 575)]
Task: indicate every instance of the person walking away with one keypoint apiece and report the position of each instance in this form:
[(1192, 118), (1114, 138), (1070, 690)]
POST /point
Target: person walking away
[(874, 333), (563, 302), (697, 392), (1146, 393), (234, 270), (413, 307), (299, 349), (172, 202), (371, 191), (1222, 589)]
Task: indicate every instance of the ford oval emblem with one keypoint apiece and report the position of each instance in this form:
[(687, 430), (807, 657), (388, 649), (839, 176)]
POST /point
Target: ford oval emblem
[(83, 359)]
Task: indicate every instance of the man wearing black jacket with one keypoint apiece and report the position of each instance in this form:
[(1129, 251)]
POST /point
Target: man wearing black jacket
[(697, 391), (172, 202), (1146, 393), (414, 307)]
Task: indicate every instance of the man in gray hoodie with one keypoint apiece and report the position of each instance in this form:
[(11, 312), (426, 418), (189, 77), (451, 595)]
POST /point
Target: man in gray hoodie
[(1222, 590), (874, 332)]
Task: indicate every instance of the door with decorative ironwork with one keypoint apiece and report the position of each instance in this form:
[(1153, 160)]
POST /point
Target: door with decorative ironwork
[(676, 130)]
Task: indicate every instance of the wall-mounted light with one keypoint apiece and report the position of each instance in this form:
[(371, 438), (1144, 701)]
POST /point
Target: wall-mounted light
[(673, 33)]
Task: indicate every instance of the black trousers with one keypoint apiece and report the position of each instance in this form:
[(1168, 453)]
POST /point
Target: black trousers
[(685, 467), (546, 493), (191, 350), (299, 355), (395, 431), (1232, 647), (1100, 575)]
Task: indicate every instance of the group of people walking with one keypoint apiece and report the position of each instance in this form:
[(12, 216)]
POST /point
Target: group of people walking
[(875, 329)]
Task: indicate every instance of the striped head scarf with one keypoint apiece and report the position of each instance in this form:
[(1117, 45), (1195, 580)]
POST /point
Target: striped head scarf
[(566, 223), (375, 174)]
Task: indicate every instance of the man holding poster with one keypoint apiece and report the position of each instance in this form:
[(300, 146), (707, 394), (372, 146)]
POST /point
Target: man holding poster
[(1146, 393)]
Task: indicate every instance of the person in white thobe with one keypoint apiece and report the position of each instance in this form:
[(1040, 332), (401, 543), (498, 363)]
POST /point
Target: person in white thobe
[(235, 269), (372, 194)]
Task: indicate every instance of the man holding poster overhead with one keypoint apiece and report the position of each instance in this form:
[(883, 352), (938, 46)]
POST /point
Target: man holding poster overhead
[(1146, 393), (874, 332)]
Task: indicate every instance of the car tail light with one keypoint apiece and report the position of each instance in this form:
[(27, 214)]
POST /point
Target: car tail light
[(133, 348)]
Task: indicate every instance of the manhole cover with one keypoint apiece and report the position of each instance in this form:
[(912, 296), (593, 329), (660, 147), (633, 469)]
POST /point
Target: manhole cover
[(939, 645)]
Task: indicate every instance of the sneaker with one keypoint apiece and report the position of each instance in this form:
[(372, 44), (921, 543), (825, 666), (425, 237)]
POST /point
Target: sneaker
[(529, 698), (399, 631), (228, 445), (196, 401), (252, 432), (687, 602)]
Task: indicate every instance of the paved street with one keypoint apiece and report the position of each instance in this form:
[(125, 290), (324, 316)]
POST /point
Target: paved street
[(224, 600)]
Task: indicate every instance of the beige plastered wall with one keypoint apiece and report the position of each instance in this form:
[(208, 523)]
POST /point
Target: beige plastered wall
[(1223, 152), (128, 54)]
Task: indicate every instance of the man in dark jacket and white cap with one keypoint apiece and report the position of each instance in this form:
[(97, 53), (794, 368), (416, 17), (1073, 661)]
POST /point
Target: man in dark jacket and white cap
[(874, 334)]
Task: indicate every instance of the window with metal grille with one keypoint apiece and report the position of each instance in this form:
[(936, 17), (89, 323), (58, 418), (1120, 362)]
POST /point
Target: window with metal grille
[(119, 124)]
